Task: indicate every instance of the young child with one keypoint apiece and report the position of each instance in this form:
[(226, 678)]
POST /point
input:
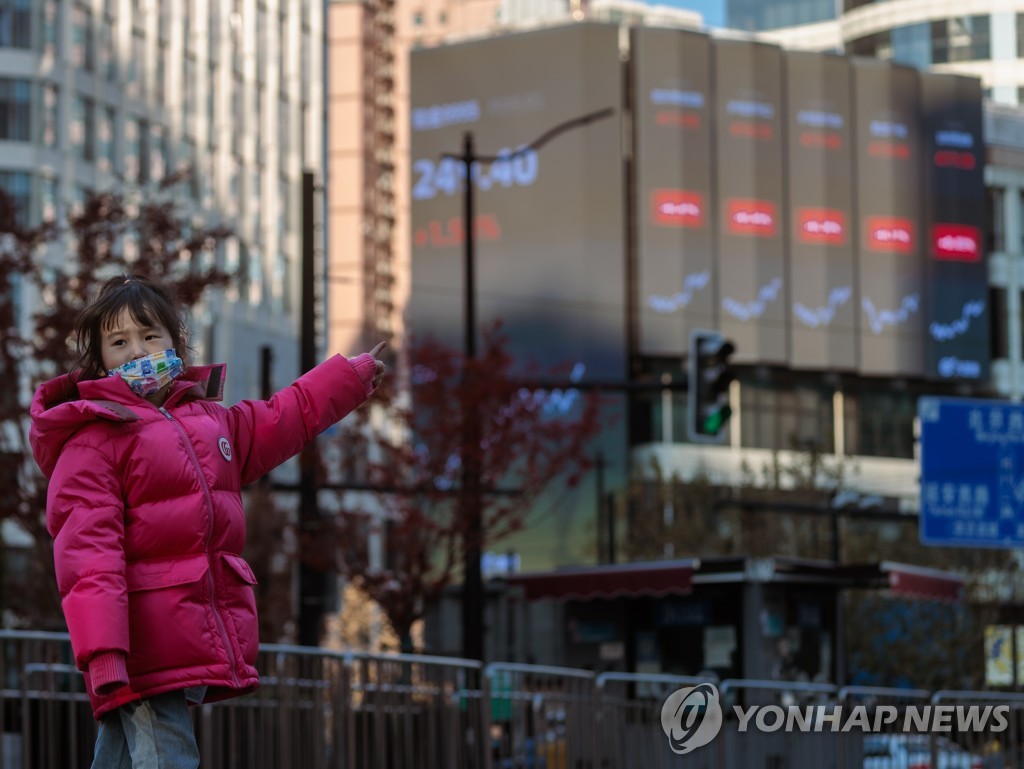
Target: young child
[(144, 505)]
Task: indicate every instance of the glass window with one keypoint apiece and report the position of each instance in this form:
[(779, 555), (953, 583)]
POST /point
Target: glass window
[(237, 36), (51, 115), (281, 285), (48, 191), (283, 209), (283, 130), (82, 51), (15, 24), (163, 19), (255, 276), (82, 130), (238, 113), (215, 22), (188, 97), (234, 182), (145, 145), (304, 62), (211, 108), (964, 38), (262, 46), (753, 15), (158, 153), (105, 139), (996, 218), (51, 14), (136, 85), (785, 415), (15, 109), (912, 45), (108, 61), (160, 79), (132, 150), (259, 106), (188, 31), (882, 422), (1020, 212), (19, 186), (1000, 320), (282, 52), (187, 163), (255, 202)]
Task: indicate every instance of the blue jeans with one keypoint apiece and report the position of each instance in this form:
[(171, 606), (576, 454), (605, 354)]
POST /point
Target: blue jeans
[(154, 733)]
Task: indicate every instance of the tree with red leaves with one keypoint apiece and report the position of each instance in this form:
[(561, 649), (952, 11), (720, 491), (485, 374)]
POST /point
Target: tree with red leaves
[(517, 446), (107, 234)]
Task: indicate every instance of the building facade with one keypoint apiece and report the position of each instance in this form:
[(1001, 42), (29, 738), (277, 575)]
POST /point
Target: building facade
[(980, 37), (117, 95)]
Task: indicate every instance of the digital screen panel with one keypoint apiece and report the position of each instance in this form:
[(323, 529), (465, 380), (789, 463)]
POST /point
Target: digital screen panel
[(752, 307), (958, 322), (890, 245), (549, 223), (819, 210), (674, 205)]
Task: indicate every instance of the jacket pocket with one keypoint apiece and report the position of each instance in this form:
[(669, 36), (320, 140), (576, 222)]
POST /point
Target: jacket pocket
[(238, 565), (240, 604), (153, 575), (169, 614)]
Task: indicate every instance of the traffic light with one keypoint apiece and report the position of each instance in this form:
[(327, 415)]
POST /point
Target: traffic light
[(709, 378)]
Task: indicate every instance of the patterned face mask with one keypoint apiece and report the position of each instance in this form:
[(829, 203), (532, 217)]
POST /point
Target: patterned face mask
[(147, 375)]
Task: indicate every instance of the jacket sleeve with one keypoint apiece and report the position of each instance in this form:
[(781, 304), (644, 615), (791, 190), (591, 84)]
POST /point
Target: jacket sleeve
[(85, 517), (267, 433)]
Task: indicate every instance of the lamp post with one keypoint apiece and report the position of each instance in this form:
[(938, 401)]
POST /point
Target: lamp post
[(470, 498)]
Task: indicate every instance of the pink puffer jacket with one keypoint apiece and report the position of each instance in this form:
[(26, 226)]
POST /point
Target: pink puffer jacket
[(145, 509)]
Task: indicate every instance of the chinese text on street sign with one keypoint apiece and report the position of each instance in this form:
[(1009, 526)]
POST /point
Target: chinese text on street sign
[(972, 472)]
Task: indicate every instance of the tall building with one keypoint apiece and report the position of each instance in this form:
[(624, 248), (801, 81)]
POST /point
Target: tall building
[(116, 94), (981, 38), (368, 114), (368, 137), (869, 419), (757, 15)]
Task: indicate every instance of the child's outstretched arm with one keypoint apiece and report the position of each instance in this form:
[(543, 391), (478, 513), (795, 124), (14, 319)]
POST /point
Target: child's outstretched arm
[(270, 432), (85, 516)]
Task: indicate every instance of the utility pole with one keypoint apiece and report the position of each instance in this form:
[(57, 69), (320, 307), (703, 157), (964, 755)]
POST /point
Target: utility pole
[(312, 582), (472, 514), (470, 502)]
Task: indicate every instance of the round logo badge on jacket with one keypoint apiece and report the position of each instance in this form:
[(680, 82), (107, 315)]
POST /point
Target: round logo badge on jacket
[(225, 448)]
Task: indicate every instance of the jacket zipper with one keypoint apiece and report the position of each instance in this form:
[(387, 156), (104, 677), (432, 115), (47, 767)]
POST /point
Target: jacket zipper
[(209, 536)]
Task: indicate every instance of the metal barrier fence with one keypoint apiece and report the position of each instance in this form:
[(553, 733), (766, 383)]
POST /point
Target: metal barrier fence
[(629, 721), (541, 716), (321, 709)]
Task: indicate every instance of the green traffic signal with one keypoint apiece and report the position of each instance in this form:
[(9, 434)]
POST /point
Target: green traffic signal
[(709, 378), (715, 421)]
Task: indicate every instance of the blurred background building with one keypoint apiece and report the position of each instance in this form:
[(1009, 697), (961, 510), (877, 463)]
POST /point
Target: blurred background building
[(104, 94), (369, 249), (249, 93)]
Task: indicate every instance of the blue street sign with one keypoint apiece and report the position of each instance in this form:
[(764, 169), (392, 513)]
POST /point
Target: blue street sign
[(972, 472)]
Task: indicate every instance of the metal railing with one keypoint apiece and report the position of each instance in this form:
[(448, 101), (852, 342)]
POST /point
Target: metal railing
[(323, 709)]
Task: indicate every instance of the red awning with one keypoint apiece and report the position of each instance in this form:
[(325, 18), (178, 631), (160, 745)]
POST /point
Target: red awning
[(587, 583), (921, 582)]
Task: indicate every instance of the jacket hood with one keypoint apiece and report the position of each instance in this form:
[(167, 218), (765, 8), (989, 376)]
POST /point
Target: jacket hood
[(64, 405)]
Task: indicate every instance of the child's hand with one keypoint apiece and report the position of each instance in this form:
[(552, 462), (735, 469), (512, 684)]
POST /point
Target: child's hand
[(379, 372)]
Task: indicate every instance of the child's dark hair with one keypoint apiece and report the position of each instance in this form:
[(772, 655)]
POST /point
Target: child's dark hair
[(148, 304)]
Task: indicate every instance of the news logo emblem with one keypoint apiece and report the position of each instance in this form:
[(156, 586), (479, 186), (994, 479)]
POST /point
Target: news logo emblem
[(691, 717)]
